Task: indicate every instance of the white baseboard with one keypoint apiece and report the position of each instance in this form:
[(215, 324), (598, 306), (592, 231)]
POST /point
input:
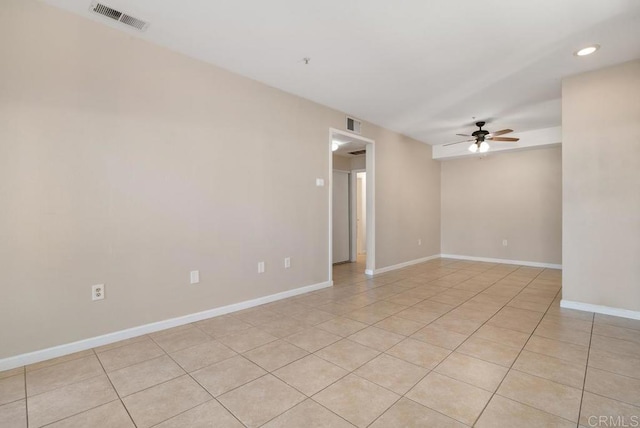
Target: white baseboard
[(401, 265), (599, 309), (503, 261), (81, 345)]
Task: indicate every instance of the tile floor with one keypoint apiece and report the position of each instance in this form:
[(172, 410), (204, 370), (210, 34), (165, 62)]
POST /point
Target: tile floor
[(445, 343)]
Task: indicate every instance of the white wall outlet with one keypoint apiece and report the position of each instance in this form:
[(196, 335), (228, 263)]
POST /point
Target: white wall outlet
[(97, 292), (287, 262), (504, 243), (320, 182), (194, 276), (419, 241), (260, 267)]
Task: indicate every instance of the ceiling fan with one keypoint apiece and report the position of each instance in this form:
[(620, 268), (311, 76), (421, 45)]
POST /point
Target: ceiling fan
[(480, 137)]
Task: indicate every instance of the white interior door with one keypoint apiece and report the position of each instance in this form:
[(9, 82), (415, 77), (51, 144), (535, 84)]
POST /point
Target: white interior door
[(340, 216)]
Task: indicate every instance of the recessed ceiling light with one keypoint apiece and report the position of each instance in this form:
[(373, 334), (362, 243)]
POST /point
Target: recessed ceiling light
[(587, 51)]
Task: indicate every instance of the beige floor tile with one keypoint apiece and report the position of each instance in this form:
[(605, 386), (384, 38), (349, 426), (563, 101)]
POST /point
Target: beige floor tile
[(551, 368), (310, 374), (567, 322), (257, 316), (308, 414), (312, 339), (531, 306), (458, 325), (314, 316), (554, 348), (595, 406), (128, 355), (502, 412), (261, 400), (69, 400), (66, 373), (440, 337), (70, 357), (12, 372), (453, 398), (222, 326), (161, 402), (622, 333), (276, 354), (419, 353), (110, 415), (418, 315), (342, 326), (14, 415), (205, 354), (487, 350), (399, 325), (211, 414), (617, 321), (181, 339), (625, 365), (543, 394), (347, 354), (357, 400), (12, 389), (246, 340), (471, 370), (117, 344), (434, 307), (505, 336), (228, 374), (283, 327), (409, 414), (366, 315), (144, 375), (621, 388), (392, 373), (611, 344), (563, 334), (376, 338)]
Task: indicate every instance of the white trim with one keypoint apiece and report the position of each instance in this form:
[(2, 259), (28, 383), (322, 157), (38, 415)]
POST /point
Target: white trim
[(81, 345), (401, 265), (599, 309), (353, 212), (502, 261)]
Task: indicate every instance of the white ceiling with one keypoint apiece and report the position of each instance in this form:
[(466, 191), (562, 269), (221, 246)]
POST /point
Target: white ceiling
[(422, 68)]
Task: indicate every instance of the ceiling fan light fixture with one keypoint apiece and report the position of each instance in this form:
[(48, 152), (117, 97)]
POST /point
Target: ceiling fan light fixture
[(473, 148), (484, 147), (587, 51)]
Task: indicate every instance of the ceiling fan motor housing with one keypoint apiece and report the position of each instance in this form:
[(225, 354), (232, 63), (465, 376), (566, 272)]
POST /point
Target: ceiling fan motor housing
[(480, 133)]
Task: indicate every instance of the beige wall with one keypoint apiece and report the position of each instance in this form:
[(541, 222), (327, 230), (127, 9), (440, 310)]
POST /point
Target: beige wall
[(341, 163), (117, 167), (601, 180), (515, 196)]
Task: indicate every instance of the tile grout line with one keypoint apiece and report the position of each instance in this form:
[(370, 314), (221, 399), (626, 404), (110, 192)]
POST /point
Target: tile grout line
[(114, 388), (586, 368)]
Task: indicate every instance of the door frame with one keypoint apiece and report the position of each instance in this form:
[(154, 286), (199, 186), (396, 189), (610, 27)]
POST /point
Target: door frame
[(353, 213), (370, 194)]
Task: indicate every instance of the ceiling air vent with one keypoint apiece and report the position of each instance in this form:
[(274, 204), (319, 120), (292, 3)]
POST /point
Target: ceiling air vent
[(119, 16), (358, 152), (354, 125)]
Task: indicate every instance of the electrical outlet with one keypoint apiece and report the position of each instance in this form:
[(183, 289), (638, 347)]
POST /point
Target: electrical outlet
[(97, 292), (504, 243), (194, 276), (287, 262), (260, 267), (419, 241)]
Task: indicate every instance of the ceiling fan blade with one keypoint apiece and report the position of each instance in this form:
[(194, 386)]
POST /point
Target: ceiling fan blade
[(501, 132), (459, 142), (508, 139), (465, 135)]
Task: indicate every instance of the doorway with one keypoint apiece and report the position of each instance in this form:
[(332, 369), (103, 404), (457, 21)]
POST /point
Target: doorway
[(352, 208)]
